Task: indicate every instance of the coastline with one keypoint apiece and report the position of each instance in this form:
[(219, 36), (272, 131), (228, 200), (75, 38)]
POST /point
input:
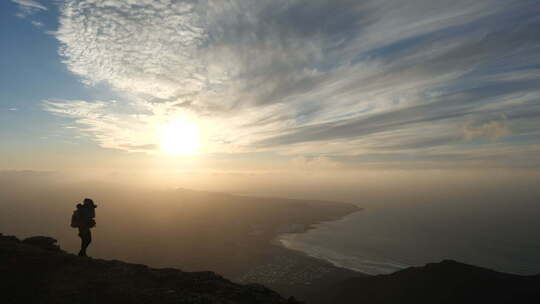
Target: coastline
[(277, 240), (280, 241), (362, 265), (296, 273)]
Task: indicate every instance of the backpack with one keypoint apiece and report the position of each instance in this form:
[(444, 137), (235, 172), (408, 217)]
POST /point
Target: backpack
[(91, 223), (76, 219)]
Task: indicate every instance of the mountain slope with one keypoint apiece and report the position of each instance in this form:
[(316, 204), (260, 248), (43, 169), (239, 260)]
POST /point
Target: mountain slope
[(444, 282), (37, 271)]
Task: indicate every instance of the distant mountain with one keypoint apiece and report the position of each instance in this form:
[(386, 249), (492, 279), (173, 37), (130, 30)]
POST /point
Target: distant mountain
[(444, 282), (36, 270)]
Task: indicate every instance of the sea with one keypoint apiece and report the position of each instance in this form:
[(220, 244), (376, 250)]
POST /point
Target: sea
[(504, 237)]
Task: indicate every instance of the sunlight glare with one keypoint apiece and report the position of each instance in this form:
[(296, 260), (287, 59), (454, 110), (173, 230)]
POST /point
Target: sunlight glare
[(179, 137)]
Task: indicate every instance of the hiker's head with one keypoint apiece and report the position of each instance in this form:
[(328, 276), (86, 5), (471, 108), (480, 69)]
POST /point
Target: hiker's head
[(89, 202)]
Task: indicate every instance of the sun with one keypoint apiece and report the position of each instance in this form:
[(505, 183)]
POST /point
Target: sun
[(179, 137)]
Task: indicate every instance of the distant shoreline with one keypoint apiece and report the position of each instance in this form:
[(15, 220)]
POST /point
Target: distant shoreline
[(296, 273), (277, 241)]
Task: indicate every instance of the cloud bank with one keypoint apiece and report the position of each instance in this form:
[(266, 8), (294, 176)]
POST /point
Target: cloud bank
[(377, 79)]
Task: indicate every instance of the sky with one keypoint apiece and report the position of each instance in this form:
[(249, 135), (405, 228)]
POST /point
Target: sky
[(268, 85)]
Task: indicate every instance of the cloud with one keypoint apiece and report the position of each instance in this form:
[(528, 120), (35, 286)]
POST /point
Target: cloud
[(299, 77), (439, 110), (493, 130), (314, 163), (28, 7), (113, 125), (30, 4), (37, 24), (146, 47), (134, 125)]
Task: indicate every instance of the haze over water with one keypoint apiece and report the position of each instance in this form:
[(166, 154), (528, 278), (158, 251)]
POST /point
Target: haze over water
[(498, 230)]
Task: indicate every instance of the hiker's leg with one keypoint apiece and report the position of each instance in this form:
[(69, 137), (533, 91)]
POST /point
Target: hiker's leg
[(81, 235), (86, 238), (86, 241)]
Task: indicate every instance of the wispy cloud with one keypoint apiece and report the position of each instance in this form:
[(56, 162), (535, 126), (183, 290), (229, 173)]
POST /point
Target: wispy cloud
[(304, 77), (37, 24), (493, 129), (28, 7), (315, 163), (30, 4)]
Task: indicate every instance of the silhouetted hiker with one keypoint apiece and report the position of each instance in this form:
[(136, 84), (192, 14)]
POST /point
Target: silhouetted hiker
[(83, 218)]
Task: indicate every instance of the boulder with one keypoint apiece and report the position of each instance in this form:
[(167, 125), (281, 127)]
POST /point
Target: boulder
[(43, 242)]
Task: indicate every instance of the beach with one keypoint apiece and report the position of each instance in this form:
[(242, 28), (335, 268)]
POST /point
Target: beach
[(385, 240), (293, 272)]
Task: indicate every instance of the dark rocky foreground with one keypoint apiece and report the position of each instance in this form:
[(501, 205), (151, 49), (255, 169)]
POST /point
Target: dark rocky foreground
[(36, 270), (444, 282)]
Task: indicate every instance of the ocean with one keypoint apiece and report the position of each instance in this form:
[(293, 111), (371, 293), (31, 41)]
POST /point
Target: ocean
[(503, 236)]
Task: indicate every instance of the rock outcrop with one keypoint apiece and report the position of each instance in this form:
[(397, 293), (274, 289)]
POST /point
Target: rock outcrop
[(36, 270)]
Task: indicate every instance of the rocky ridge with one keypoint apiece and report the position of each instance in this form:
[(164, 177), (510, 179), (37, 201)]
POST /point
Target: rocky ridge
[(37, 270)]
